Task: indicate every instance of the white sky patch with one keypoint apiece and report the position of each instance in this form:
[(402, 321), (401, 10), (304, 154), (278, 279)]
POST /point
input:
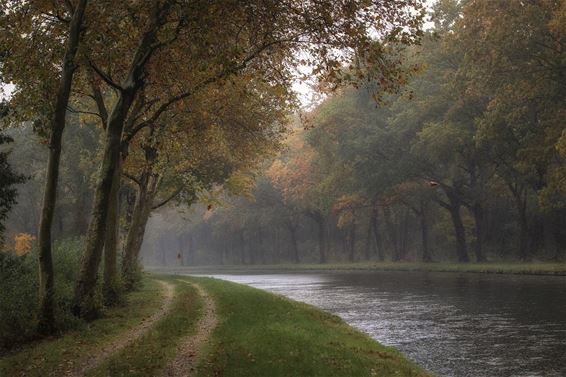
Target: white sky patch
[(306, 91), (6, 91)]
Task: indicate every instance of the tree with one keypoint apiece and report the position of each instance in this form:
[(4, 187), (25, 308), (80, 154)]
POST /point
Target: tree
[(26, 22), (8, 179), (514, 55)]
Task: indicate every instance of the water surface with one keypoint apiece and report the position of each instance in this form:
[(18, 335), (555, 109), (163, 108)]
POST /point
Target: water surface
[(451, 324)]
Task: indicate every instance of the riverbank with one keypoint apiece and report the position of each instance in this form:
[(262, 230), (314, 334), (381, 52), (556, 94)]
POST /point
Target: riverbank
[(253, 333), (262, 334), (518, 268)]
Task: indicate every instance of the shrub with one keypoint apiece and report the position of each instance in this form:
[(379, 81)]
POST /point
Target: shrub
[(19, 291), (18, 298)]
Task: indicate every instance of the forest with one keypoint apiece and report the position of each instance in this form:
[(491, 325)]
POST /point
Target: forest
[(171, 133), (465, 163)]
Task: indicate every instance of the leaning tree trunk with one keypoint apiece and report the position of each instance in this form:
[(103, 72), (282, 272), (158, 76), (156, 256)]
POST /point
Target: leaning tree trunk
[(46, 323), (111, 286), (84, 301), (134, 238), (459, 232)]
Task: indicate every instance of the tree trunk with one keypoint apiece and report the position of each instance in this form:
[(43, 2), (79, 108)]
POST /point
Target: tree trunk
[(134, 239), (376, 235), (84, 304), (277, 245), (460, 233), (260, 250), (46, 323), (242, 247), (111, 286), (478, 213), (404, 235), (352, 239), (523, 230), (551, 234), (321, 238), (392, 233), (251, 249), (369, 242), (294, 244), (424, 233)]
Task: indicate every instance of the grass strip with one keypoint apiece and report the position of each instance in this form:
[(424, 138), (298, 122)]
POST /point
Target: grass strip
[(517, 268), (55, 356), (262, 334), (148, 355)]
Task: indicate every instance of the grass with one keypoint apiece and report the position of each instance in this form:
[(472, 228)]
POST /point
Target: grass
[(262, 334), (529, 268), (148, 355), (53, 357), (259, 334)]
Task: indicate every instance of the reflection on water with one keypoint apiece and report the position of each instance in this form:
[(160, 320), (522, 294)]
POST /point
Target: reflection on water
[(451, 324)]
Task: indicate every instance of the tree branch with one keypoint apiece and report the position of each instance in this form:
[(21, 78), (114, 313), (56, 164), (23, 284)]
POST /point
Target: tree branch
[(171, 197), (105, 77), (132, 178)]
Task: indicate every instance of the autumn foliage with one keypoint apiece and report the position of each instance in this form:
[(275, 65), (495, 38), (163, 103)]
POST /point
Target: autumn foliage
[(23, 243)]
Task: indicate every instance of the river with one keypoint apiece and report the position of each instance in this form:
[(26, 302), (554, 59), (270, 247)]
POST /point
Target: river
[(451, 324)]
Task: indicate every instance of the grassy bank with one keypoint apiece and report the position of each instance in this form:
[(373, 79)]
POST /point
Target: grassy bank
[(53, 357), (261, 334), (542, 268), (258, 334)]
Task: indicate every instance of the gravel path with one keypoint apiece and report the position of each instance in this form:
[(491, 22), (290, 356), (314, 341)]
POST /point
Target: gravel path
[(189, 348), (86, 365)]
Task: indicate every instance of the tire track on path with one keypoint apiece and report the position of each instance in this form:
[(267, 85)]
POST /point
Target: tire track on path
[(189, 349), (89, 363)]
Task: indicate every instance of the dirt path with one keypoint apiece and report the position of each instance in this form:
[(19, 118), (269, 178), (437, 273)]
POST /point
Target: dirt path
[(189, 349), (106, 350)]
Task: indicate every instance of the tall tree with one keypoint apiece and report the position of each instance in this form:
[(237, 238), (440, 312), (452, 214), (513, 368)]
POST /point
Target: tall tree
[(25, 23)]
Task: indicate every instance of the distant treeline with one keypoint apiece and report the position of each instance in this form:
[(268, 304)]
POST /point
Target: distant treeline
[(467, 164)]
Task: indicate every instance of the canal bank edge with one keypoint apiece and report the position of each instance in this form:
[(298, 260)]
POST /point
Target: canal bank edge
[(550, 269)]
